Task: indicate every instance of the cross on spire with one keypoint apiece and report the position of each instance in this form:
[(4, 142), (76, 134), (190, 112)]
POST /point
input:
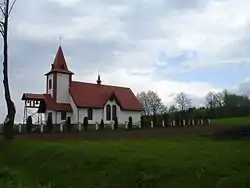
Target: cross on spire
[(60, 40)]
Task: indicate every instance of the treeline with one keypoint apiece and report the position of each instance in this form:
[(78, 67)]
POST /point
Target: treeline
[(217, 105)]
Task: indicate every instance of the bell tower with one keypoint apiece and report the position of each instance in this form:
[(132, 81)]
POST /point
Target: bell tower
[(59, 78)]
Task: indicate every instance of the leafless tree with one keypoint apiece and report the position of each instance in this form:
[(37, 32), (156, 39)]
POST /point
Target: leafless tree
[(151, 102), (6, 7), (183, 101), (211, 100)]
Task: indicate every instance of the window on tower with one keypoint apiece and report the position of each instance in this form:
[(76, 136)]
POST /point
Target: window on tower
[(50, 83)]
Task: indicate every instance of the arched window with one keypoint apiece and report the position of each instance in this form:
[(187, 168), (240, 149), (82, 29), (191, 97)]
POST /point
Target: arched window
[(90, 114), (108, 112), (114, 115)]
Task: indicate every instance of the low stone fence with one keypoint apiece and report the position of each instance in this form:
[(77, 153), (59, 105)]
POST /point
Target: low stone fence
[(136, 125)]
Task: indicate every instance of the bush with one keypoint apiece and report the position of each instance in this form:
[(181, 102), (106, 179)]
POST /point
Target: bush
[(130, 122), (49, 124), (116, 123), (142, 122), (85, 123), (102, 124), (29, 124), (68, 124)]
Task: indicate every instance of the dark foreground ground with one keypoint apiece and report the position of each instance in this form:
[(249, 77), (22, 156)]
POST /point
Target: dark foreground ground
[(200, 157)]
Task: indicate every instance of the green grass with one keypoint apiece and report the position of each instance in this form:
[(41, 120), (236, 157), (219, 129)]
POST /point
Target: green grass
[(158, 163), (231, 121)]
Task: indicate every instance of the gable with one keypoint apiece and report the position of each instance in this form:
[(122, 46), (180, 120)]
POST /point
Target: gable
[(96, 96)]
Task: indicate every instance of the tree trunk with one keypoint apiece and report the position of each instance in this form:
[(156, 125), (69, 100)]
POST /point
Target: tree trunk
[(11, 110)]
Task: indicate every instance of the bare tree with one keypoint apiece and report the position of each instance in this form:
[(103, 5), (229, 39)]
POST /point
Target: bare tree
[(151, 102), (6, 7), (211, 100), (183, 101)]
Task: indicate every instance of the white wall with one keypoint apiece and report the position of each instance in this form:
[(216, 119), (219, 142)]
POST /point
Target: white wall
[(62, 88), (97, 115), (56, 116), (74, 116), (124, 115)]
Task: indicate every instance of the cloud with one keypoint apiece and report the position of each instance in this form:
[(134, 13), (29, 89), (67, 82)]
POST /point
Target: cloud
[(159, 45)]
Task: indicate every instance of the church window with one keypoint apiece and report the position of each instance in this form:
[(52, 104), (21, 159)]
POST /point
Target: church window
[(114, 115), (50, 83), (63, 115), (90, 114), (108, 112)]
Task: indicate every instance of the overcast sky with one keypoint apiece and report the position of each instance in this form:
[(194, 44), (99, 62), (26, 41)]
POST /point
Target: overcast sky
[(169, 46)]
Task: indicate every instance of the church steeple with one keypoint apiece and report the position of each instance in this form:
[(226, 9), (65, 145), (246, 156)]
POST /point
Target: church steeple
[(59, 64), (98, 81)]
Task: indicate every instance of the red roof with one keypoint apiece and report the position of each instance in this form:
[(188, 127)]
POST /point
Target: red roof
[(59, 64), (32, 96), (50, 103), (96, 96)]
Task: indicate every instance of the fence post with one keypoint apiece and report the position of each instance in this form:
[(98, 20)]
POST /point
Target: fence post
[(163, 123), (61, 127), (126, 125), (79, 127), (96, 126), (202, 122), (192, 122), (152, 124), (41, 128), (173, 123), (20, 128)]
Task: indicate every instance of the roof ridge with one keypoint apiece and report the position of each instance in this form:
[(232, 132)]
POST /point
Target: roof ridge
[(81, 82)]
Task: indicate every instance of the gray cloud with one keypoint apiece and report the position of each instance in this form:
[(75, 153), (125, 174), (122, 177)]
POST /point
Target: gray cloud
[(109, 35)]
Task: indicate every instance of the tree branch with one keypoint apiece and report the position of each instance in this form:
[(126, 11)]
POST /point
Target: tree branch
[(1, 8), (2, 28), (11, 7)]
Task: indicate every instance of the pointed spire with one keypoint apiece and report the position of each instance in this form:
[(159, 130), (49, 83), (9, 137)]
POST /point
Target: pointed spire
[(99, 80), (59, 64)]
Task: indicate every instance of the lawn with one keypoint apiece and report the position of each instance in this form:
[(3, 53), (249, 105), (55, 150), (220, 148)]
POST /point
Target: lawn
[(232, 121), (187, 161)]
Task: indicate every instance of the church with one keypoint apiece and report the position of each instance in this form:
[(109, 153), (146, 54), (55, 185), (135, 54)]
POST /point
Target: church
[(65, 98)]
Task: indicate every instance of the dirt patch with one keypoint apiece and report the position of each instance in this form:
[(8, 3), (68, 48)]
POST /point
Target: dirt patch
[(131, 134), (235, 133)]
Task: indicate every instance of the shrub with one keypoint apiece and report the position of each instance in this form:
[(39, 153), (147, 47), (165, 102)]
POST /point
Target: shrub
[(116, 123), (29, 124), (130, 122), (49, 124), (102, 124), (142, 121), (85, 123), (68, 124)]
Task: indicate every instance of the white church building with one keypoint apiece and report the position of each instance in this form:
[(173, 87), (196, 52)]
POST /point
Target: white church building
[(67, 98)]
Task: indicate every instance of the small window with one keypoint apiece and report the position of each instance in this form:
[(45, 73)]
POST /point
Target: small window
[(114, 114), (90, 114), (108, 112), (63, 115), (50, 83)]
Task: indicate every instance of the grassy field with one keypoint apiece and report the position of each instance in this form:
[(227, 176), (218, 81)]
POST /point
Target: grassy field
[(186, 161), (231, 121)]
